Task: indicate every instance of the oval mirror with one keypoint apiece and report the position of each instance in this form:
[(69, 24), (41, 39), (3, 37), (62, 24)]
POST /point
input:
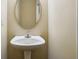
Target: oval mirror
[(27, 13)]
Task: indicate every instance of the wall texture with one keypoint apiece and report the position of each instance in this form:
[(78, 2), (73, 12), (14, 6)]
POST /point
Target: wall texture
[(62, 29), (15, 29)]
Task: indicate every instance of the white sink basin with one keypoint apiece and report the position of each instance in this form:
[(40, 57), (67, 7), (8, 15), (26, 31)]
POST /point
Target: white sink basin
[(22, 42)]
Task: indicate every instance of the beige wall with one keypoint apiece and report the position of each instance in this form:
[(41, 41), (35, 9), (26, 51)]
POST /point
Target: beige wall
[(62, 23), (27, 13), (15, 29)]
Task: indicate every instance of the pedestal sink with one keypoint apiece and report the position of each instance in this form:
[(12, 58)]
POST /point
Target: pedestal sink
[(27, 43)]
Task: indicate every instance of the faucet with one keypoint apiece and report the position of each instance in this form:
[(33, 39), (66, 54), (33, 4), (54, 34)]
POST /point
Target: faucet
[(28, 35)]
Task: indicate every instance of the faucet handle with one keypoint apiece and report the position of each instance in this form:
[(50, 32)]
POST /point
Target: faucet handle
[(28, 36)]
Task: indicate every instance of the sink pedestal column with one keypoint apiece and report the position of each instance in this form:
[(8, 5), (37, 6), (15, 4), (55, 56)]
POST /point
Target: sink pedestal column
[(27, 54)]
